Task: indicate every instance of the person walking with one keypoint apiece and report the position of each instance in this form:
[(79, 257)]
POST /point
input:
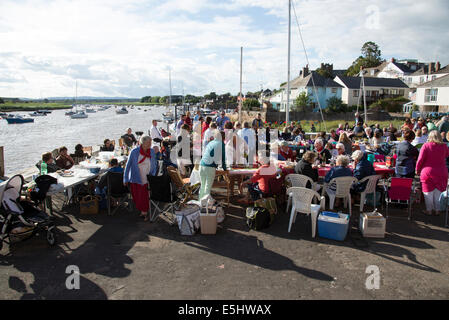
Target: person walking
[(431, 167)]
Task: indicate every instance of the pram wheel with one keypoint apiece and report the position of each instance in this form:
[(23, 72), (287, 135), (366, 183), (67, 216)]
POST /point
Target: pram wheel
[(51, 236)]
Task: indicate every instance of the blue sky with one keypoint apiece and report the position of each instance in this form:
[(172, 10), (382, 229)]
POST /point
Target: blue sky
[(125, 47)]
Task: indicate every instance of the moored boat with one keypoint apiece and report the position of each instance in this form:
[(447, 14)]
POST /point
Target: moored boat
[(37, 114), (12, 119), (121, 111), (79, 115)]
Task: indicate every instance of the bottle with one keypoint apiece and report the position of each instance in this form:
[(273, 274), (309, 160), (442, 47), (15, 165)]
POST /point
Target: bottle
[(44, 168)]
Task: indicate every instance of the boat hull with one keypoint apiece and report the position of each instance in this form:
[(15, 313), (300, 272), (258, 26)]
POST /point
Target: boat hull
[(15, 121)]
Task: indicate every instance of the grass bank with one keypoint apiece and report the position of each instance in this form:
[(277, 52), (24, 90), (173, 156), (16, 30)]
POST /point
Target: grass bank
[(20, 106)]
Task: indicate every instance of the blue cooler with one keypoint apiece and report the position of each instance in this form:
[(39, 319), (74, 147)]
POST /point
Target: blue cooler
[(333, 225)]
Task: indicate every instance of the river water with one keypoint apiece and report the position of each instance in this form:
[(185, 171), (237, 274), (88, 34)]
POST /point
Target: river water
[(25, 143)]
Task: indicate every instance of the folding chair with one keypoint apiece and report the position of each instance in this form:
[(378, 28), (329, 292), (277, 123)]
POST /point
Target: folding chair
[(185, 191), (400, 191), (163, 198), (116, 191), (297, 180)]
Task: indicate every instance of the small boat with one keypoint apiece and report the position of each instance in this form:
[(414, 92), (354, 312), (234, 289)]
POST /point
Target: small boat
[(37, 114), (168, 116), (45, 111), (79, 115), (70, 113), (89, 110), (121, 111), (18, 119)]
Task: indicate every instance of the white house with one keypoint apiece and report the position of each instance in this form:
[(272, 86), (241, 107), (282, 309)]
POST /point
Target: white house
[(325, 89), (433, 96), (425, 74), (375, 89)]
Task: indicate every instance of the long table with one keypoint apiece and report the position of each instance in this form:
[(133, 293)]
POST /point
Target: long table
[(380, 168)]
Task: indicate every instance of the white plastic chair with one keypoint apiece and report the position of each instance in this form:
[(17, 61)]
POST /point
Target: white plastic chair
[(297, 180), (341, 189), (370, 189), (302, 202)]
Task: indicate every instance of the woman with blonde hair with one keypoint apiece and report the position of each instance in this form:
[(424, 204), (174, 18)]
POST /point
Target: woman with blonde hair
[(346, 142), (431, 167)]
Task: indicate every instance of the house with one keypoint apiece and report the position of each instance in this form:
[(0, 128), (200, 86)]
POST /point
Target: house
[(375, 89), (433, 96), (325, 89), (426, 73), (394, 69)]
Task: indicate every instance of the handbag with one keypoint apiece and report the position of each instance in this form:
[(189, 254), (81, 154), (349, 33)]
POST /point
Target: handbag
[(89, 204)]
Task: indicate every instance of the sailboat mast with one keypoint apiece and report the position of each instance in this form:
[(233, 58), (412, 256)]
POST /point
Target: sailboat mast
[(240, 94), (364, 99), (169, 98), (287, 109)]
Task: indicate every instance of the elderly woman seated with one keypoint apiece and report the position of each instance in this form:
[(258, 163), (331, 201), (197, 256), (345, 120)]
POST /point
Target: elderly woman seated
[(341, 149), (362, 169), (307, 168), (262, 183), (285, 152), (340, 170)]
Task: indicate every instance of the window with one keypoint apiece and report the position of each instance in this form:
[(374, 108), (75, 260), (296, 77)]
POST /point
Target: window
[(334, 90), (401, 92), (374, 93), (434, 77), (368, 93), (431, 95), (421, 80), (356, 93)]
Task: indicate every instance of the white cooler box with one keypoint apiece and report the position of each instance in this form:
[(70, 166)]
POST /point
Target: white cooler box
[(372, 225)]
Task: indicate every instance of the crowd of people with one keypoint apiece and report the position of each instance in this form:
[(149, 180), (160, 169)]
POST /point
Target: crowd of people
[(222, 144)]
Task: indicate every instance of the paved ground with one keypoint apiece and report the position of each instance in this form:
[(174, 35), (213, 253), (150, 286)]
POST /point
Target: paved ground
[(122, 257)]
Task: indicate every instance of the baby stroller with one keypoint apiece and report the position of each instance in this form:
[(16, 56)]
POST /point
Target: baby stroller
[(20, 220)]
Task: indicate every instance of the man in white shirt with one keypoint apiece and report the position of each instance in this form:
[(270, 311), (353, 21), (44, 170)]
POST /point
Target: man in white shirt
[(155, 133), (209, 134)]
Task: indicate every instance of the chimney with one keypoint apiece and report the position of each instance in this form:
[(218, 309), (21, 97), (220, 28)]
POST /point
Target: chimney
[(438, 66), (430, 68), (305, 71), (393, 60)]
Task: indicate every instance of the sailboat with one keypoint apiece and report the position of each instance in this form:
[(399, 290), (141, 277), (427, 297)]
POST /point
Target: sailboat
[(78, 114)]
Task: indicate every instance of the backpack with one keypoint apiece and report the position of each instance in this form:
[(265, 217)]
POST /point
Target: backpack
[(258, 218)]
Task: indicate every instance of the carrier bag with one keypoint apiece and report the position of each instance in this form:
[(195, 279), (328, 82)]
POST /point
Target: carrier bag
[(258, 218), (188, 219), (267, 203), (89, 204), (208, 216), (213, 207)]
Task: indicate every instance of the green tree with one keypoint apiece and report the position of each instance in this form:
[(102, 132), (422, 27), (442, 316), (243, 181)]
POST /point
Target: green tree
[(2, 101), (371, 57), (163, 100), (156, 99), (251, 104), (335, 104), (324, 73), (302, 102)]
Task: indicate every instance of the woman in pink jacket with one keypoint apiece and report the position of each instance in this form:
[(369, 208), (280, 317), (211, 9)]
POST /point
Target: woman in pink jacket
[(431, 167)]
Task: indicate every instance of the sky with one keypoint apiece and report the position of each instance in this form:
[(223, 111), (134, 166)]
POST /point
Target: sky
[(125, 48)]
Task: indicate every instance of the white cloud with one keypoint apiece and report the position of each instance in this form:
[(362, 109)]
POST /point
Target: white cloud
[(123, 47)]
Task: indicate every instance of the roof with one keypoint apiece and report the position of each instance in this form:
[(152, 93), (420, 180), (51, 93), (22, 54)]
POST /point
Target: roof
[(425, 71), (440, 82), (354, 82), (377, 70), (319, 81), (338, 73), (403, 67)]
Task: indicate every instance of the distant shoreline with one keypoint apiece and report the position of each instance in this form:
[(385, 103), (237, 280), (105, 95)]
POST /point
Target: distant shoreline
[(21, 107)]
